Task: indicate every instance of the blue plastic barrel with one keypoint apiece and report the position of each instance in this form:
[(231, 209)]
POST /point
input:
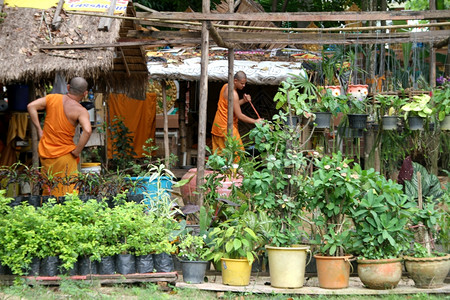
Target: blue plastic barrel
[(18, 97), (150, 188)]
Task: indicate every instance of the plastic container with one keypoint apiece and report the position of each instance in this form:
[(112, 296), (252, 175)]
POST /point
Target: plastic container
[(150, 188), (91, 168)]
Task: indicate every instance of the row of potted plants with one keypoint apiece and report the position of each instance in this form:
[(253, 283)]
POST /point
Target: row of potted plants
[(298, 96), (79, 233), (303, 202)]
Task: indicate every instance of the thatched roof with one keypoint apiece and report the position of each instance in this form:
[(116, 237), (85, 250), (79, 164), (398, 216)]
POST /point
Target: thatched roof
[(24, 29), (247, 7)]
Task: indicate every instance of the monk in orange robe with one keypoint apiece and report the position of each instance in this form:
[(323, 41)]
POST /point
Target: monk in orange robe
[(57, 151), (219, 128)]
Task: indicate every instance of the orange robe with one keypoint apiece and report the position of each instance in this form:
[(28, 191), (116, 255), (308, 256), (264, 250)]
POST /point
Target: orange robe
[(219, 127), (56, 146)]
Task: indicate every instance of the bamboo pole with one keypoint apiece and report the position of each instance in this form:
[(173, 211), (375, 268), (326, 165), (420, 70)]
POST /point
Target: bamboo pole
[(290, 29), (230, 79), (203, 103), (165, 124)]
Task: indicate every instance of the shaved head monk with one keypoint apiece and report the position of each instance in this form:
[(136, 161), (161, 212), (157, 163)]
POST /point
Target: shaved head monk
[(219, 127), (57, 150)]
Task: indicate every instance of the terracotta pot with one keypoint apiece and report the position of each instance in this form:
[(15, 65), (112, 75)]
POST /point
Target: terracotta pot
[(335, 89), (428, 272), (333, 272), (187, 190), (380, 274)]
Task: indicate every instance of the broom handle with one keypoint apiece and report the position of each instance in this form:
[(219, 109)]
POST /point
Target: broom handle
[(255, 110)]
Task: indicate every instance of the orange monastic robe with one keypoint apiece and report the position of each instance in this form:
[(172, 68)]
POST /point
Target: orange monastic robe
[(56, 145), (219, 127)]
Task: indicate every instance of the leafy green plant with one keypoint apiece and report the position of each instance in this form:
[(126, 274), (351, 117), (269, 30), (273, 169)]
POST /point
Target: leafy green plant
[(390, 104), (122, 149), (380, 217), (291, 100), (233, 239), (277, 184), (325, 103), (330, 194), (418, 107), (441, 100), (192, 247)]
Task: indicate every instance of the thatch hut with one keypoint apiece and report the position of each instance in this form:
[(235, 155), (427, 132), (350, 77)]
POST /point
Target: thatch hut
[(25, 30)]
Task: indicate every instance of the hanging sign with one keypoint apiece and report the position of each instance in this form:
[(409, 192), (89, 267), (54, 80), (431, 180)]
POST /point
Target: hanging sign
[(78, 5)]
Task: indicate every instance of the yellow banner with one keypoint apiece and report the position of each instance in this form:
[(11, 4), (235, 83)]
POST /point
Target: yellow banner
[(78, 5), (41, 4)]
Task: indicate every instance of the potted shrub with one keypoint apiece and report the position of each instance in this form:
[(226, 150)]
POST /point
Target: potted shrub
[(380, 218), (234, 244), (330, 194), (416, 111), (293, 101), (426, 266), (355, 111), (275, 186), (389, 110), (323, 107), (192, 252), (441, 101)]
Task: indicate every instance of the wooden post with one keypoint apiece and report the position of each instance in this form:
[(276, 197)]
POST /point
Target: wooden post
[(230, 91), (34, 135), (105, 23), (182, 122), (166, 125), (203, 103), (432, 51), (56, 23), (230, 79)]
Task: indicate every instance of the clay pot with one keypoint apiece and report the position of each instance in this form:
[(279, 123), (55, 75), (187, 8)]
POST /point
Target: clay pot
[(380, 274), (333, 272), (428, 272)]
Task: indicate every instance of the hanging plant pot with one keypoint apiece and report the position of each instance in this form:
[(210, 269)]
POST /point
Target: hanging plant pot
[(193, 271), (49, 266), (235, 272), (445, 124), (390, 122), (380, 274), (428, 272), (107, 265), (323, 119), (86, 266), (357, 121), (144, 263), (335, 89), (358, 91), (125, 264), (415, 123), (333, 272), (287, 266)]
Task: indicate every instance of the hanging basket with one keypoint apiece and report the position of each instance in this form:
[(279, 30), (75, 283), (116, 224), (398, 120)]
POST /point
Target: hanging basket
[(390, 122), (415, 123), (445, 124), (357, 121), (323, 120)]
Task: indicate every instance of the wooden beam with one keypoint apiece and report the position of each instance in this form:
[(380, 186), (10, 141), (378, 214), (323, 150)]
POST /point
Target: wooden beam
[(125, 62), (56, 23), (217, 38), (148, 9), (105, 23), (301, 16), (165, 125)]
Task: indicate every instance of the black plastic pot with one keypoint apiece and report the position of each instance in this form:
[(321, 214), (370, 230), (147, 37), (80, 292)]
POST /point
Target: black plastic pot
[(357, 121), (323, 120), (163, 262), (194, 271), (4, 270), (49, 266), (138, 198), (34, 200), (125, 264), (107, 265), (144, 263), (33, 267), (87, 266), (415, 123)]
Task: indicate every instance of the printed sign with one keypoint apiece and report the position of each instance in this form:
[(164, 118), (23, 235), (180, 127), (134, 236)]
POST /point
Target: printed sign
[(78, 5)]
